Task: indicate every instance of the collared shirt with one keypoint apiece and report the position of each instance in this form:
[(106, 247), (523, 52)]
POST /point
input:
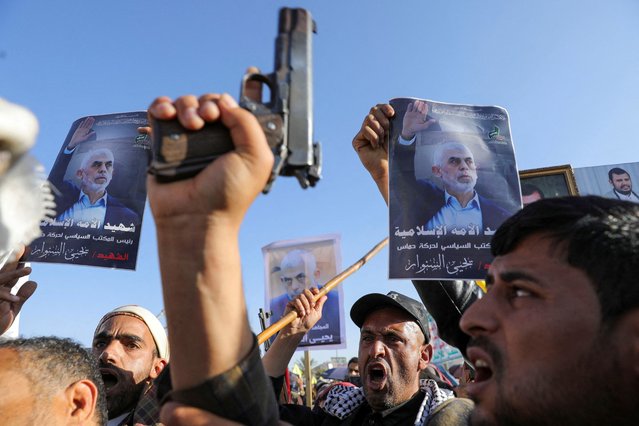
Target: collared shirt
[(454, 216), (630, 197), (147, 410), (117, 420), (83, 210)]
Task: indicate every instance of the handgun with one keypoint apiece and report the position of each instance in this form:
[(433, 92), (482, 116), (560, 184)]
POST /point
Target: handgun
[(286, 119)]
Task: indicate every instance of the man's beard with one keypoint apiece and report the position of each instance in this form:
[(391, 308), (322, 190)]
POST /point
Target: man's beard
[(590, 391), (94, 187), (125, 400), (625, 192), (457, 187)]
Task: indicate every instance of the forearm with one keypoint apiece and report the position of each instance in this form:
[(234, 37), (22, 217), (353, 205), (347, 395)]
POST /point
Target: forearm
[(382, 185), (279, 355), (204, 301)]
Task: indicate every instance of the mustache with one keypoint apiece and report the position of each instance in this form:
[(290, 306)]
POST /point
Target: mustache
[(102, 364), (378, 361), (487, 346)]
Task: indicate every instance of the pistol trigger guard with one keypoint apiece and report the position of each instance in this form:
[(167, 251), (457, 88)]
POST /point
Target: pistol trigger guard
[(245, 101)]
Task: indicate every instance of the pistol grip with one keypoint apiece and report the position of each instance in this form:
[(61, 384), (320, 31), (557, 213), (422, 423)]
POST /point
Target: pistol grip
[(179, 153)]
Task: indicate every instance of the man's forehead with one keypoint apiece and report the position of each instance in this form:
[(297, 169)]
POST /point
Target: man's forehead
[(620, 176), (123, 323), (100, 157), (292, 270), (389, 318), (457, 152)]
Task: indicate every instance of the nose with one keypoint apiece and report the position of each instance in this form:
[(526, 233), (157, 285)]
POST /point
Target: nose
[(480, 317), (110, 354), (297, 287), (377, 349)]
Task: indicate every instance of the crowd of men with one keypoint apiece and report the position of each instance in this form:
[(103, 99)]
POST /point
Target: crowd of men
[(553, 341)]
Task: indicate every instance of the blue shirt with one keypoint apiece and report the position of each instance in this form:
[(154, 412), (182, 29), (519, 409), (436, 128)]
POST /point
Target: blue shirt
[(83, 210), (454, 216)]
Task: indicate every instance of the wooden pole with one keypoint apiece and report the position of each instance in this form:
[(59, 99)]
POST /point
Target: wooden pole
[(309, 379), (330, 285)]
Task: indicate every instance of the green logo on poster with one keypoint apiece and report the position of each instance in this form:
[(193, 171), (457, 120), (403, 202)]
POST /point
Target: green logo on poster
[(493, 134)]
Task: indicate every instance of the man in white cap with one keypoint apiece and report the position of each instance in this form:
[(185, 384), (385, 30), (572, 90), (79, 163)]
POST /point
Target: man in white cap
[(132, 349)]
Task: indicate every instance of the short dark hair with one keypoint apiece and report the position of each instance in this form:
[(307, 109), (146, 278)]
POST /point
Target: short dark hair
[(599, 236), (616, 171), (530, 189), (52, 363), (354, 359)]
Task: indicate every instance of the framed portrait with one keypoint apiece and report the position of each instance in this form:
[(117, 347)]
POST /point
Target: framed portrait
[(547, 182)]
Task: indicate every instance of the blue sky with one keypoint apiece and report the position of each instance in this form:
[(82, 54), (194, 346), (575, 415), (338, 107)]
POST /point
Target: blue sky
[(566, 71)]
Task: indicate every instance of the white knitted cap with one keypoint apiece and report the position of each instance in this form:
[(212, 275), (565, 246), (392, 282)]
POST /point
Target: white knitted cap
[(154, 325)]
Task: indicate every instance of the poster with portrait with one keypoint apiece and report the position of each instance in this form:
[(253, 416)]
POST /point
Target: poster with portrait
[(547, 182), (99, 184), (453, 182), (610, 181), (292, 266)]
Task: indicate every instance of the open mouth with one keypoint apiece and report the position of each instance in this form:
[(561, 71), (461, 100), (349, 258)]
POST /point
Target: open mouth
[(109, 378), (376, 376), (483, 371)]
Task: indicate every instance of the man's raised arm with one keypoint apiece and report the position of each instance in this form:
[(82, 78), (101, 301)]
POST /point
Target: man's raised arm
[(279, 355), (197, 224)]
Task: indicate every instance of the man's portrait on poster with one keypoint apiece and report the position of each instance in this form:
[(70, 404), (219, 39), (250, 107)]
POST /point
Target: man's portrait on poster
[(99, 185), (295, 269), (83, 177), (453, 182), (615, 181)]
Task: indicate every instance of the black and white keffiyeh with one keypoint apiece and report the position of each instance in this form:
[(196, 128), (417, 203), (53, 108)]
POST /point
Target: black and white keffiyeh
[(342, 400)]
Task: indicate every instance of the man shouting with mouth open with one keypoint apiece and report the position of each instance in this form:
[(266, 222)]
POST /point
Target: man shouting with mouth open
[(132, 349)]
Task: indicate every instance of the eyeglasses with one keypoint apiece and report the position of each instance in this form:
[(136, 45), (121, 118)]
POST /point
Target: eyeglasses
[(300, 278)]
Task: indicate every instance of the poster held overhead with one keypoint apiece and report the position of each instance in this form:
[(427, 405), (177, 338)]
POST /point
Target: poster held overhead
[(453, 182), (99, 183), (294, 265)]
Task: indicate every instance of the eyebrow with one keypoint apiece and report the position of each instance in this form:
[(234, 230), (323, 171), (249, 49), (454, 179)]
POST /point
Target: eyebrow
[(124, 336), (510, 276)]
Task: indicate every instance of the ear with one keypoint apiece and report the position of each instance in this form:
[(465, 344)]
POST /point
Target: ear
[(631, 334), (625, 339), (436, 171), (78, 173), (426, 355), (81, 398), (157, 367)]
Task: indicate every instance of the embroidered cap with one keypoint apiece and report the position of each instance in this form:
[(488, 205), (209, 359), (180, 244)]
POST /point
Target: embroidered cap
[(376, 301)]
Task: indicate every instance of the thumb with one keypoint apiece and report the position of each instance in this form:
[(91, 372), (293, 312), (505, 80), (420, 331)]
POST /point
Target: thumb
[(319, 305), (248, 137)]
